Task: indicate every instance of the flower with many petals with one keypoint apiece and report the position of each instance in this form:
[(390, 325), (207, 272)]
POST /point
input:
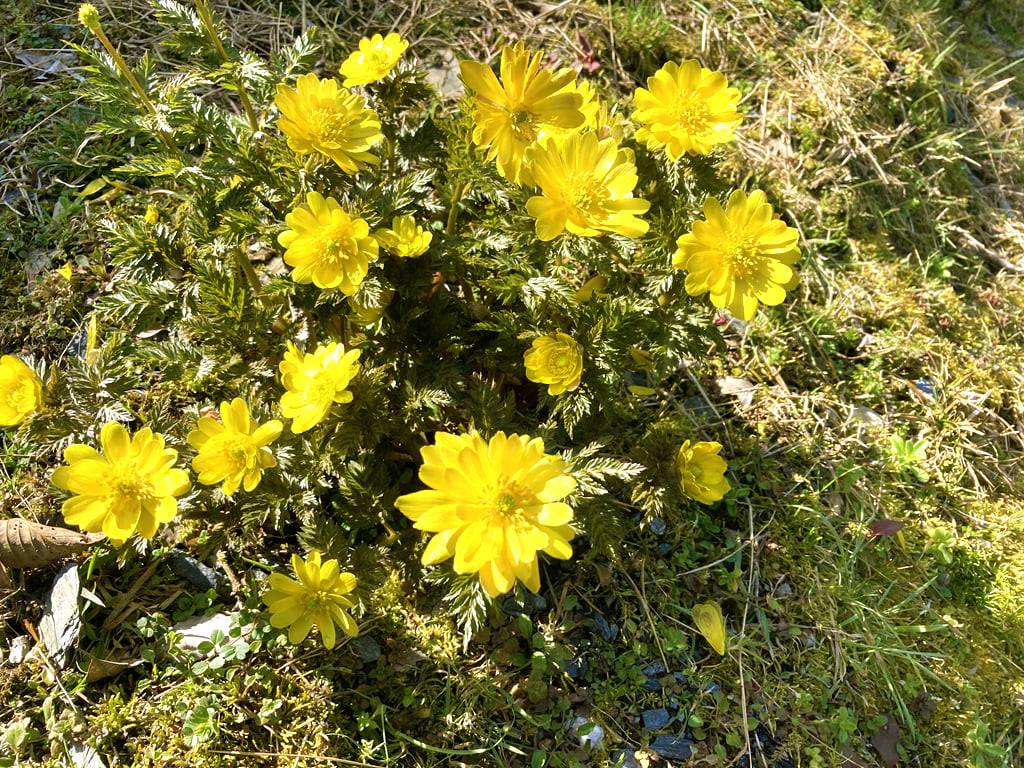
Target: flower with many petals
[(493, 506), (555, 360), (326, 246), (233, 451), (374, 60), (686, 108), (318, 596), (702, 471), (315, 381), (586, 188), (742, 255), (405, 239), (128, 487), (510, 113), (21, 391), (322, 116)]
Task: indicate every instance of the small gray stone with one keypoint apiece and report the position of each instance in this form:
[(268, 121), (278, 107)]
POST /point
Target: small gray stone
[(699, 407), (577, 667), (654, 669), (655, 719), (926, 387), (529, 605), (61, 622), (624, 758), (607, 631), (366, 648), (673, 747), (863, 415), (590, 735), (657, 526), (194, 572)]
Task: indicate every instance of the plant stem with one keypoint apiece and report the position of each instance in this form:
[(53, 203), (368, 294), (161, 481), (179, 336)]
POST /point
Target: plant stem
[(250, 275), (126, 71), (211, 32), (453, 212)]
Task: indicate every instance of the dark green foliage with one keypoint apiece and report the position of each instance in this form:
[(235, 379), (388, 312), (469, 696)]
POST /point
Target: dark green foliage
[(191, 311)]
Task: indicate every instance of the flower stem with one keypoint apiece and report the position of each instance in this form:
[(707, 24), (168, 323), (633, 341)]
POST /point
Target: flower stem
[(211, 32), (453, 212), (251, 276), (133, 81)]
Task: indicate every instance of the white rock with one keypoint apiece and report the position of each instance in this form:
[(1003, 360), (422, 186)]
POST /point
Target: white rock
[(84, 756), (198, 629), (864, 415), (445, 77), (61, 622), (20, 647), (592, 739)]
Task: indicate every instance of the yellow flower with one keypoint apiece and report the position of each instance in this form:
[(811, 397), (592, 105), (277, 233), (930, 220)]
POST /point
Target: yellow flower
[(129, 487), (405, 239), (21, 391), (321, 116), (319, 596), (586, 188), (315, 382), (233, 451), (493, 506), (702, 471), (326, 246), (510, 113), (742, 255), (590, 106), (555, 360), (686, 108), (374, 60), (65, 271)]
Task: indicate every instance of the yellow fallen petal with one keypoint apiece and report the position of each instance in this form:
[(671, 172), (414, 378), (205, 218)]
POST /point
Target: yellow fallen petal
[(711, 624)]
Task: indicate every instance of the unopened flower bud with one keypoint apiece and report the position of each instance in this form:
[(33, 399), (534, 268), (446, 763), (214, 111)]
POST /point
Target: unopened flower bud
[(89, 16)]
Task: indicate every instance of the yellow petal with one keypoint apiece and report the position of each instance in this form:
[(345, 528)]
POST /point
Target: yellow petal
[(711, 624)]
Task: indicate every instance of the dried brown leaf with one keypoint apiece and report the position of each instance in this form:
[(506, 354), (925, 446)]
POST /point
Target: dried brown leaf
[(24, 544)]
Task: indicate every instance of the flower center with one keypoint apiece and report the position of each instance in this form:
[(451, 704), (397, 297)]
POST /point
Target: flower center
[(743, 257), (691, 114), (378, 60), (323, 386), (522, 123), (585, 193), (560, 362), (128, 481), (328, 125), (21, 397), (510, 501), (238, 450), (336, 243), (316, 600)]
